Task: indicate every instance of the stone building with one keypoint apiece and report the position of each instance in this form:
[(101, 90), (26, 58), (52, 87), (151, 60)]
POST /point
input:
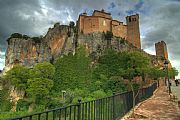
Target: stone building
[(161, 49), (101, 21), (162, 53)]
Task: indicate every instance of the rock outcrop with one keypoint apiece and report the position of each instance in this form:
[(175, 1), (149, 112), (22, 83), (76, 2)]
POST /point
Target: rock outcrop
[(28, 51), (15, 96), (96, 43), (59, 40)]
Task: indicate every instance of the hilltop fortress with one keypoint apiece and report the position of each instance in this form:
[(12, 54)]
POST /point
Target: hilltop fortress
[(101, 21), (89, 31)]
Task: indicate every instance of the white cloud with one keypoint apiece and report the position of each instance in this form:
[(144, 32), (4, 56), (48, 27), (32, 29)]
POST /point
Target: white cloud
[(1, 65), (2, 59), (150, 50)]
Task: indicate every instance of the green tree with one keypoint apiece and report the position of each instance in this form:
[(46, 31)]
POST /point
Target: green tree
[(40, 83), (16, 35), (5, 103), (109, 65), (115, 84), (108, 37), (18, 76), (43, 70), (71, 27), (22, 105), (71, 24), (156, 73), (98, 94), (173, 72), (72, 71), (39, 87), (137, 63), (134, 64)]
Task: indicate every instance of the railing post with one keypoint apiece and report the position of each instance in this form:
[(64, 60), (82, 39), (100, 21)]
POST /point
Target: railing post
[(79, 109), (113, 112)]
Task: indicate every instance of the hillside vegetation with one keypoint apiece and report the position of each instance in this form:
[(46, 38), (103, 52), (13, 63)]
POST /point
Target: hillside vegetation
[(74, 77)]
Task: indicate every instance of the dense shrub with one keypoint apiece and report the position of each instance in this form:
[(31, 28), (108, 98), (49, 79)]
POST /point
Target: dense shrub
[(37, 39), (22, 105)]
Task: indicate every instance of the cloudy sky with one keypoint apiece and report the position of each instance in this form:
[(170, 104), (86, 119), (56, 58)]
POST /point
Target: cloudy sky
[(159, 19)]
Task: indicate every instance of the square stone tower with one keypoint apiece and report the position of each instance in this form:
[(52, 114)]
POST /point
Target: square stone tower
[(133, 33), (161, 49)]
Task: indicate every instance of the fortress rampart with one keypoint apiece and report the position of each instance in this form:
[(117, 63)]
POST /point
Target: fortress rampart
[(101, 21)]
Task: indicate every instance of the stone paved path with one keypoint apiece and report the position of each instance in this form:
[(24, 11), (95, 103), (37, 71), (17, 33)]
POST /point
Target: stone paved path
[(176, 90), (158, 107)]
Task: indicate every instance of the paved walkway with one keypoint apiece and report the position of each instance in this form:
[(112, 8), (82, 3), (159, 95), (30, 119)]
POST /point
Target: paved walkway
[(158, 107), (176, 90)]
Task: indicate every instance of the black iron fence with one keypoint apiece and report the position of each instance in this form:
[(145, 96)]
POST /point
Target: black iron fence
[(109, 108)]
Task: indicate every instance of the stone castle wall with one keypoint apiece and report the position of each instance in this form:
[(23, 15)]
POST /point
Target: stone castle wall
[(102, 13), (89, 24), (101, 21), (118, 29)]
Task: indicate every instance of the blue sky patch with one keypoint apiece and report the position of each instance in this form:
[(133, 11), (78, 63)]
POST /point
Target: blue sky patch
[(130, 12), (112, 5), (176, 0), (136, 9), (139, 5)]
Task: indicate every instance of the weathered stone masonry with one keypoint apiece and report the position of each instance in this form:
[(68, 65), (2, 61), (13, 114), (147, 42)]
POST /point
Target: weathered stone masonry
[(101, 21)]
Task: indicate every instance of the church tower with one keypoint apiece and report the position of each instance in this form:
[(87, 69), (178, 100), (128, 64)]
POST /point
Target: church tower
[(133, 33)]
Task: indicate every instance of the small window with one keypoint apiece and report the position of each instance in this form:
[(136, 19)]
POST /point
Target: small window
[(129, 19), (134, 19), (104, 23)]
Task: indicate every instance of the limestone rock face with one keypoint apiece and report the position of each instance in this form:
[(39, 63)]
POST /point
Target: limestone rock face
[(28, 51), (57, 38), (15, 96), (58, 41), (96, 43)]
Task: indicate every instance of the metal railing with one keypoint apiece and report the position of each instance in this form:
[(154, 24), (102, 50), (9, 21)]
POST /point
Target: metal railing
[(109, 108)]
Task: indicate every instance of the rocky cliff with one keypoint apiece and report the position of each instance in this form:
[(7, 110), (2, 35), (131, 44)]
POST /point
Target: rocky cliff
[(59, 40), (96, 43), (28, 51)]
